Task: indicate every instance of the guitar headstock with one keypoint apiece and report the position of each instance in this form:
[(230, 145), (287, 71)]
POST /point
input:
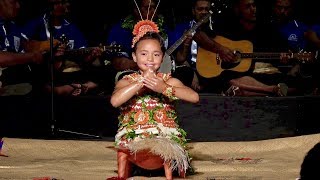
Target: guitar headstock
[(306, 57), (63, 39), (219, 6), (113, 48)]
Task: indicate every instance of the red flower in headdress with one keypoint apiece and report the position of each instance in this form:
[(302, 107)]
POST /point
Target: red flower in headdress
[(141, 28)]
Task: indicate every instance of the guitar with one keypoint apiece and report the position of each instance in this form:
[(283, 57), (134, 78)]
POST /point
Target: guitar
[(168, 65), (44, 46), (210, 64)]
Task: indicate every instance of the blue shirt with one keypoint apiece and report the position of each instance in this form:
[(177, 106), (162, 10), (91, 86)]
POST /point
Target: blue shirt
[(123, 36), (10, 36), (316, 29), (38, 29), (11, 41), (293, 33)]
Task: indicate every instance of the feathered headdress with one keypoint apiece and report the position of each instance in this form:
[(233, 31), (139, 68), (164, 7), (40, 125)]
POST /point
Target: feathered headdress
[(144, 26)]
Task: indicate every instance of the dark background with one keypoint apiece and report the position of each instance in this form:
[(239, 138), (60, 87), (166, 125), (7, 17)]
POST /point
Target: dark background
[(95, 17), (94, 116)]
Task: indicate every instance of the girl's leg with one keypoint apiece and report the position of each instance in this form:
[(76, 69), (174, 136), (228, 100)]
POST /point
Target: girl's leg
[(182, 173), (124, 165), (167, 170)]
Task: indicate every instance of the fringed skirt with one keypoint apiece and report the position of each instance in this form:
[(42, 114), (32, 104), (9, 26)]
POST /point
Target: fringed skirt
[(153, 148)]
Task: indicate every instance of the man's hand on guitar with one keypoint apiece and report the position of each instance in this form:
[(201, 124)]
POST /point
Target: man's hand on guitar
[(187, 42), (60, 50), (37, 57), (95, 53), (227, 54)]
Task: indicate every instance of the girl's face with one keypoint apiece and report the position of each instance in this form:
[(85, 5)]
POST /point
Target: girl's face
[(148, 55)]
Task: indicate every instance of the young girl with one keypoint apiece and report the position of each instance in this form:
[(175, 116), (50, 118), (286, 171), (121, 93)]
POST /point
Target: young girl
[(148, 134)]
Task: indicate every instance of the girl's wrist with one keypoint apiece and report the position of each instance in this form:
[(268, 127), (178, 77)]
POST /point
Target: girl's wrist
[(139, 84), (169, 91)]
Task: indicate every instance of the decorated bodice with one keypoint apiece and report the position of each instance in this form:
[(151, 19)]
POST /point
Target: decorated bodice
[(149, 114)]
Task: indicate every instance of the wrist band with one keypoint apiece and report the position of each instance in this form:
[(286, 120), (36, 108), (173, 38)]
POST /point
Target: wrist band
[(169, 92)]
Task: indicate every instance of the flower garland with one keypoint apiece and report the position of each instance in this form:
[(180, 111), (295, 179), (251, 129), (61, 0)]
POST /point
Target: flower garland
[(129, 22)]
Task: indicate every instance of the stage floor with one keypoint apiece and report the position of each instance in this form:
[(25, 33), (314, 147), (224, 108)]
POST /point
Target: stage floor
[(278, 158)]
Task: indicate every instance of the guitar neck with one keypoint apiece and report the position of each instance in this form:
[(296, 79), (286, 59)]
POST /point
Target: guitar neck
[(261, 55), (78, 52), (191, 30), (84, 51)]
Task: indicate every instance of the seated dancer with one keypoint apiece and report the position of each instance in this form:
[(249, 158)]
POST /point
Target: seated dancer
[(149, 135)]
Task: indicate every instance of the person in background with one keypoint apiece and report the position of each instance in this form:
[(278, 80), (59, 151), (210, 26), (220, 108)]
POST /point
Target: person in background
[(186, 55), (16, 73), (289, 34), (242, 25), (73, 75)]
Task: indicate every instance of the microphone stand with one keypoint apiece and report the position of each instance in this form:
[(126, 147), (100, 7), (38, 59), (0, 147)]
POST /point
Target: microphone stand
[(51, 67)]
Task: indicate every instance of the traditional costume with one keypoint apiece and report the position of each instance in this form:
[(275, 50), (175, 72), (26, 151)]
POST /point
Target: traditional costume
[(149, 121)]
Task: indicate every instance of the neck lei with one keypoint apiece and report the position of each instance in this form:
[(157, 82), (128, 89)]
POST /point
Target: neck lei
[(129, 22)]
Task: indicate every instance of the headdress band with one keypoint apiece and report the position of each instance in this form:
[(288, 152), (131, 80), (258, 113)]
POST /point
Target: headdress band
[(141, 28), (144, 26)]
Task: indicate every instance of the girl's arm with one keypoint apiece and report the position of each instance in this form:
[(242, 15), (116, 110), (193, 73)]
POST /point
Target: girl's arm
[(124, 90), (182, 92), (171, 88)]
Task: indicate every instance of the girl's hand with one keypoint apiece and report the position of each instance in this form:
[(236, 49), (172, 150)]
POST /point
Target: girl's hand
[(154, 83), (149, 73)]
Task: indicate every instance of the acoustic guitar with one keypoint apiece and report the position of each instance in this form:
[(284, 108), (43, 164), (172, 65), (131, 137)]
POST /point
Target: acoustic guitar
[(70, 55), (44, 46), (168, 64), (209, 64)]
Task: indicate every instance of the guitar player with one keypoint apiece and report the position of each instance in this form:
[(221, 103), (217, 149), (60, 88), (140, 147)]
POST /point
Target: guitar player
[(74, 75), (243, 25), (15, 74), (15, 71), (186, 55)]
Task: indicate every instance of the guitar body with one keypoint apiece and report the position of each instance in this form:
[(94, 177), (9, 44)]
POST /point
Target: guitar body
[(39, 46), (210, 65)]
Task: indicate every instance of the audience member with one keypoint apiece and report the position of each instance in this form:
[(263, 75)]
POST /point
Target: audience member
[(289, 36)]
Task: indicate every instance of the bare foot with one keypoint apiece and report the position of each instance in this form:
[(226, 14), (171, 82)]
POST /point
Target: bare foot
[(68, 90), (88, 86), (1, 154)]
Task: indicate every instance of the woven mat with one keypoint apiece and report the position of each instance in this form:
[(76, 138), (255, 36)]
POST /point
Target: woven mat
[(77, 159)]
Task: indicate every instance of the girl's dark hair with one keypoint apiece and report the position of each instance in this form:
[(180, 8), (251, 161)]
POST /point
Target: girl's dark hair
[(151, 35)]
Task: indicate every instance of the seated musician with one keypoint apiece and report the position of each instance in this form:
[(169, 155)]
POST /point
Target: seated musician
[(71, 74)]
